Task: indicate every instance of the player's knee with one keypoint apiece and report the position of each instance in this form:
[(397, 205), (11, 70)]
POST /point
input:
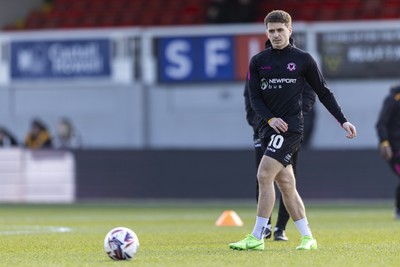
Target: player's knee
[(263, 175), (286, 185), (264, 179)]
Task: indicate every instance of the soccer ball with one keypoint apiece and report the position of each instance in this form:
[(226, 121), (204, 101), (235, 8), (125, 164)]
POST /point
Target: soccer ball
[(121, 243)]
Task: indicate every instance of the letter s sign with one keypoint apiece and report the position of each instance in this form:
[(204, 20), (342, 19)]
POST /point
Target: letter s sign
[(177, 54)]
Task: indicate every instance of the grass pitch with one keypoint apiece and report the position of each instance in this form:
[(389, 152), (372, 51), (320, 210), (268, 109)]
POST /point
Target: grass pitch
[(183, 234)]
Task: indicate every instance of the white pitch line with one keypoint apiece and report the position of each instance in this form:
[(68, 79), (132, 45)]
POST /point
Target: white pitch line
[(35, 229)]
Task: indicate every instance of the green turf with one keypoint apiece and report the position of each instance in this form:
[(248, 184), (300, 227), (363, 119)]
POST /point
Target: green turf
[(178, 234)]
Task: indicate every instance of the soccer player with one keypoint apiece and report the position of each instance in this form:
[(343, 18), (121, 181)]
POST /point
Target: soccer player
[(388, 129), (254, 121), (276, 78)]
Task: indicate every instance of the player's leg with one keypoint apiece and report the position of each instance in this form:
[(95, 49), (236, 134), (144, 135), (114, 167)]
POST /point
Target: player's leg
[(259, 153), (283, 214), (267, 172), (291, 197), (283, 218), (295, 206), (276, 160)]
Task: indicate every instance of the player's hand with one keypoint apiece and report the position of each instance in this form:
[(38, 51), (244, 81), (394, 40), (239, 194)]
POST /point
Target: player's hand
[(350, 129), (278, 125), (386, 150)]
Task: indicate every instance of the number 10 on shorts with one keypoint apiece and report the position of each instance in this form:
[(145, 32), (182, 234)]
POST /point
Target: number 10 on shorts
[(276, 141)]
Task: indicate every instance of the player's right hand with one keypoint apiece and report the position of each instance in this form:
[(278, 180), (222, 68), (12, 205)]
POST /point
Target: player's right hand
[(350, 129), (278, 125)]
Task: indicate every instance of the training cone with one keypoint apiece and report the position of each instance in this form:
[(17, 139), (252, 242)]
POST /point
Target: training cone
[(229, 218)]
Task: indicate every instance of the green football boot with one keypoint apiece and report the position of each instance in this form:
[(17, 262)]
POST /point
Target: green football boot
[(249, 243), (307, 243)]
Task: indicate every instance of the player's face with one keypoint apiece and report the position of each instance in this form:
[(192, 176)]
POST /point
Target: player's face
[(279, 34)]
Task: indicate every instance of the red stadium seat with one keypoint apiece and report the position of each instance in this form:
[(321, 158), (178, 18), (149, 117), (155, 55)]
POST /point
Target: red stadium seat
[(111, 13), (35, 20), (390, 9)]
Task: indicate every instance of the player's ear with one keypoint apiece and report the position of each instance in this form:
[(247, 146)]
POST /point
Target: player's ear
[(266, 33)]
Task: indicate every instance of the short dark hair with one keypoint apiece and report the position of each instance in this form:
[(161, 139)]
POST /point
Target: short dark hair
[(278, 16)]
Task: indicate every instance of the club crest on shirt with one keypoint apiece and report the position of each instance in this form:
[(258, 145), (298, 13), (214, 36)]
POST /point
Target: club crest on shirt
[(291, 66)]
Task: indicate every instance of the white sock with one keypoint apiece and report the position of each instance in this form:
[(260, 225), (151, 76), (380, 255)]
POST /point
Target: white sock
[(259, 227), (302, 226)]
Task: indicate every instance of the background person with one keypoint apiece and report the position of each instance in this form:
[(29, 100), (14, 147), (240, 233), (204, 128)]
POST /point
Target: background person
[(38, 136), (7, 139), (242, 11), (218, 12), (388, 130), (67, 137)]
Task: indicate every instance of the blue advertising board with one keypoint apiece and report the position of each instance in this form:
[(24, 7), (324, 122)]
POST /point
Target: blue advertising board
[(191, 59), (60, 59)]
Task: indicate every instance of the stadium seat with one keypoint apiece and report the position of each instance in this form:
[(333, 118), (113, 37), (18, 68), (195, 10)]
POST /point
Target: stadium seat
[(390, 9), (114, 13), (35, 20)]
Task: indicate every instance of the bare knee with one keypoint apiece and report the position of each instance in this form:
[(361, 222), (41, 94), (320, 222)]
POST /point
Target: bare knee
[(285, 184), (267, 171), (262, 177), (286, 181)]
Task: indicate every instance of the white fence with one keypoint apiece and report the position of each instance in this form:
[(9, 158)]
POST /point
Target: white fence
[(37, 176)]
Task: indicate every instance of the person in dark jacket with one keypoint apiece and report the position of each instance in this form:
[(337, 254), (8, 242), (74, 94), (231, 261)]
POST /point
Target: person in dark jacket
[(38, 136), (253, 120), (277, 77), (388, 130), (7, 139)]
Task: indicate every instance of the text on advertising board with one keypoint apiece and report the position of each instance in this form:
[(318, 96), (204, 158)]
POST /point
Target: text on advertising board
[(60, 59)]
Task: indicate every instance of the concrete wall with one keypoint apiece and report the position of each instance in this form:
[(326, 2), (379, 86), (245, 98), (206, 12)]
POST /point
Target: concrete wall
[(197, 117), (327, 174), (103, 115)]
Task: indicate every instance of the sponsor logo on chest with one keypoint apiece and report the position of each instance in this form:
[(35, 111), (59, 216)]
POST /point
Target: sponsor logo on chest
[(276, 83)]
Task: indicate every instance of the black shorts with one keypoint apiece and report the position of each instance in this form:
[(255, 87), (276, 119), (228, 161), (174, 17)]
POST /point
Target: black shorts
[(281, 146)]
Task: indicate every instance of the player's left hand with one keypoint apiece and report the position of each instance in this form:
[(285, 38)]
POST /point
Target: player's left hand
[(350, 129), (386, 152)]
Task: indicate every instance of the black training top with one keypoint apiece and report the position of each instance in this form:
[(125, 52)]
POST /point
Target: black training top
[(277, 79), (255, 121), (388, 124)]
